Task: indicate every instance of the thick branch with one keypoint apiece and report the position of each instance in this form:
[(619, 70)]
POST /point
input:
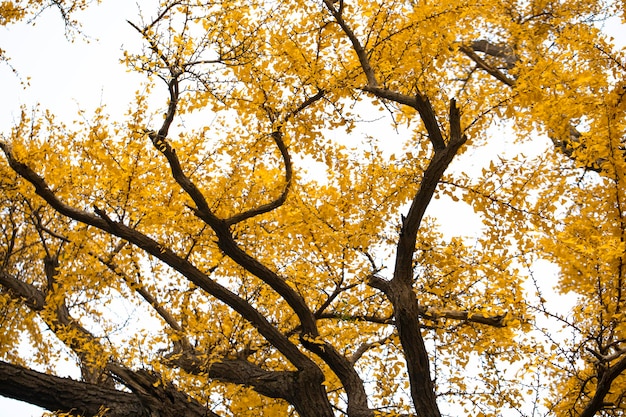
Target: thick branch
[(356, 317), (298, 388), (226, 241), (438, 164), (427, 313), (427, 113), (356, 44), (54, 393), (160, 397), (229, 246), (345, 371), (273, 384), (33, 298), (80, 398), (419, 102), (400, 289), (603, 388)]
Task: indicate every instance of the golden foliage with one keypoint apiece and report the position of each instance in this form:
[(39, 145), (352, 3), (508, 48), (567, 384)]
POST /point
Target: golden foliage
[(286, 246)]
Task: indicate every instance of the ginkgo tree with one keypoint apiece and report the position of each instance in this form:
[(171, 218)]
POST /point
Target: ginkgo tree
[(275, 256)]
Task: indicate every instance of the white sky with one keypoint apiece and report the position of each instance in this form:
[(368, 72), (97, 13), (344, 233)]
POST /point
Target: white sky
[(67, 77), (70, 76)]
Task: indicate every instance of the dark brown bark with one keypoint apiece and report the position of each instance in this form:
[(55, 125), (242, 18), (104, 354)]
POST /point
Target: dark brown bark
[(300, 389), (61, 322), (308, 371), (605, 379), (148, 389), (54, 393), (400, 288), (159, 397)]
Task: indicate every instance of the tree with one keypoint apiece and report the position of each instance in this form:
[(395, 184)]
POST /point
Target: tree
[(282, 265)]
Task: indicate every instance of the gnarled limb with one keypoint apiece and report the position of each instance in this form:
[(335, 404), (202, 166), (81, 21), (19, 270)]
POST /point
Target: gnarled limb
[(151, 246), (55, 393), (357, 398), (400, 289)]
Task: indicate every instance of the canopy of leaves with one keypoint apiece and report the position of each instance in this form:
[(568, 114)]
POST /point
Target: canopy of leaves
[(242, 243)]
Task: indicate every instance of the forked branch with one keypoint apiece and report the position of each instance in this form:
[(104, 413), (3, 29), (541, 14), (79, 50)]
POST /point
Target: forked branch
[(165, 254)]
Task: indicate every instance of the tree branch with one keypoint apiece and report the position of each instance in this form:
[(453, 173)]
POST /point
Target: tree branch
[(419, 102), (432, 175), (165, 254), (160, 397), (605, 379), (400, 289), (502, 51), (55, 393), (227, 243), (277, 135), (266, 208), (152, 395), (486, 67), (273, 384), (356, 44), (433, 314)]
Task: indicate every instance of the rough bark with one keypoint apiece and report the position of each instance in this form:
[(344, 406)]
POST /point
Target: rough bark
[(161, 398), (55, 393), (148, 389), (400, 288), (311, 399), (149, 397)]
